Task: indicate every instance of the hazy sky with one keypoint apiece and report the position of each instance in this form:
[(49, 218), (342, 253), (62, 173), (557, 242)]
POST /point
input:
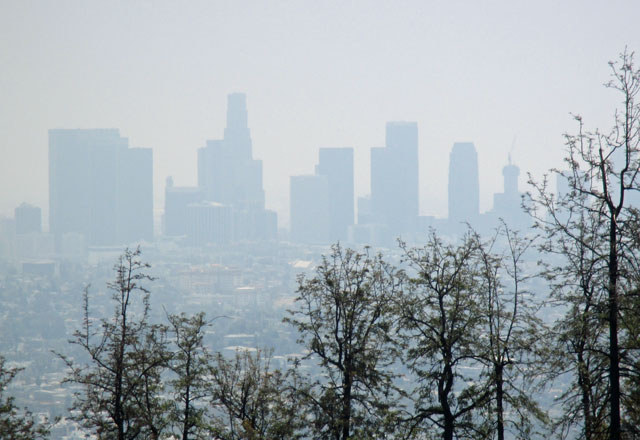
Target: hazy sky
[(316, 74)]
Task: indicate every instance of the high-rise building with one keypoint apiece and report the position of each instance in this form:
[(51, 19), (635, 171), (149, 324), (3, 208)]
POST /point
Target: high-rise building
[(228, 174), (337, 165), (394, 179), (176, 200), (508, 204), (365, 215), (28, 219), (464, 192), (99, 187), (510, 175), (209, 222), (135, 195), (309, 209)]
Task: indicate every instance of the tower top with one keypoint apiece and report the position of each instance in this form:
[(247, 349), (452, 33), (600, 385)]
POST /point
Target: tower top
[(237, 111), (510, 173)]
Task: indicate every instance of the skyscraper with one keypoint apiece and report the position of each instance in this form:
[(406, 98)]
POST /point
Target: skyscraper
[(464, 192), (309, 209), (99, 187), (337, 165), (135, 195), (394, 178), (228, 174)]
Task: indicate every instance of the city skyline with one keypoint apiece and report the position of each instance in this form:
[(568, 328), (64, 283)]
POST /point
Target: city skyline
[(229, 178), (317, 75), (84, 165)]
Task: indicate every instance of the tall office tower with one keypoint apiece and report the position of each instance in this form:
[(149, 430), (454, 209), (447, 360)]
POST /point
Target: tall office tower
[(510, 174), (309, 209), (228, 174), (365, 215), (236, 132), (394, 178), (98, 187), (135, 195), (337, 165), (464, 193), (28, 219)]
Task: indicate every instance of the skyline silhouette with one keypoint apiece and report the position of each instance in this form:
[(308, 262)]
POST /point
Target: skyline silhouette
[(317, 75), (100, 192)]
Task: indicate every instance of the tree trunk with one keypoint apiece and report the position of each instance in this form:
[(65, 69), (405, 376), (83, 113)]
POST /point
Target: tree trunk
[(187, 400), (445, 386), (346, 405), (585, 385), (614, 355), (447, 433), (499, 401), (118, 410)]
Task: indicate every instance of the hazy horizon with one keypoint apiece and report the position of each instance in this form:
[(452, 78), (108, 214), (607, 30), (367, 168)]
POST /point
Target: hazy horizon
[(327, 74)]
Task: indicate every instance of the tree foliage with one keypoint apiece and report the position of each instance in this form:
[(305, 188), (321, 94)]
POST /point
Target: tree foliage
[(441, 321), (344, 318), (120, 384), (16, 424), (593, 229), (513, 335), (252, 401), (471, 331), (190, 364)]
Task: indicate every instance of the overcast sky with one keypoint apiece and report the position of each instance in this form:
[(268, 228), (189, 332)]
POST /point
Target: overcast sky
[(316, 74)]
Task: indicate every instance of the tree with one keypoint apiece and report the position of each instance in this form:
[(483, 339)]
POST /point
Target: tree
[(16, 424), (441, 320), (120, 383), (603, 179), (513, 333), (191, 364), (576, 273), (344, 318), (252, 401)]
